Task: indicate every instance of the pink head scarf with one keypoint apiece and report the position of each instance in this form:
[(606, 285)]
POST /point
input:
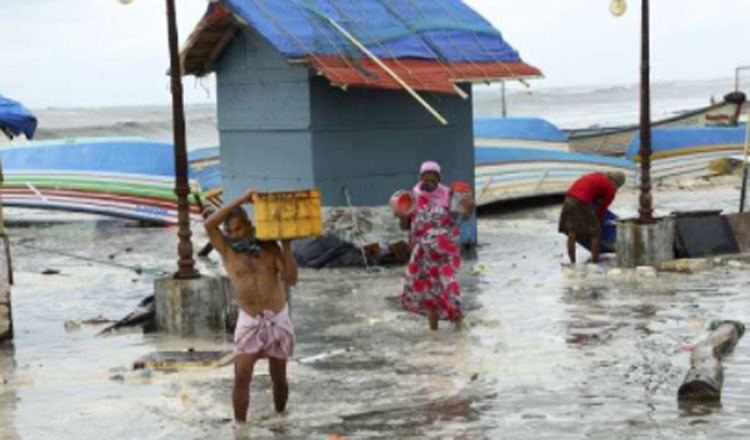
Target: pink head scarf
[(441, 195)]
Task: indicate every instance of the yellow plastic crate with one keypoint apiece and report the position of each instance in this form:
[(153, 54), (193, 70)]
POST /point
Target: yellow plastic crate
[(288, 215)]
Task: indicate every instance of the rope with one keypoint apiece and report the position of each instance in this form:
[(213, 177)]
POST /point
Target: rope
[(479, 41), (309, 13), (137, 269), (294, 39), (376, 41), (450, 40), (419, 38)]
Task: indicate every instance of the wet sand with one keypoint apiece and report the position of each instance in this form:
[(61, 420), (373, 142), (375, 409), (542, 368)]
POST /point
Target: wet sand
[(552, 351)]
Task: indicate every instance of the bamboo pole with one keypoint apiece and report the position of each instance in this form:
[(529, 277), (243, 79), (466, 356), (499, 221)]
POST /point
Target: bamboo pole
[(387, 69)]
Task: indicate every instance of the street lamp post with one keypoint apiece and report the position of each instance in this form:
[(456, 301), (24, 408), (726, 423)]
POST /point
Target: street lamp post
[(185, 263), (645, 210)]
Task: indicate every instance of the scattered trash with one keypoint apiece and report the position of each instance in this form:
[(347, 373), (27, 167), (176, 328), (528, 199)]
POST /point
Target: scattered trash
[(474, 377), (99, 320), (186, 398), (50, 272), (646, 272), (481, 269), (734, 264), (72, 325), (184, 359), (146, 373), (513, 281), (615, 273), (687, 266), (144, 314), (324, 356), (687, 348), (118, 378)]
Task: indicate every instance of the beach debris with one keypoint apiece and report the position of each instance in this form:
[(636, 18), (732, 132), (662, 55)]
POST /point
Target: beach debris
[(51, 272), (190, 358), (734, 264), (481, 269), (686, 266), (646, 272), (705, 378), (76, 324), (72, 325), (146, 373), (323, 356), (144, 315), (99, 320)]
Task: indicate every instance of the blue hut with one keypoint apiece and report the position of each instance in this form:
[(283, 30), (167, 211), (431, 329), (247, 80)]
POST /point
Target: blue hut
[(347, 96)]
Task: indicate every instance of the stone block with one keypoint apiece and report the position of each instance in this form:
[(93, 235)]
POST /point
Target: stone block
[(6, 315), (645, 244), (204, 306)]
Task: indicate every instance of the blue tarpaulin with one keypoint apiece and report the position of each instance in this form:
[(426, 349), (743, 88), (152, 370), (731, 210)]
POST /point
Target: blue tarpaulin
[(446, 30), (16, 119)]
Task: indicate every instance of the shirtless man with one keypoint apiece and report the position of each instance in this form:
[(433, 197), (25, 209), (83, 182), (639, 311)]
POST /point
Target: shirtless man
[(264, 328)]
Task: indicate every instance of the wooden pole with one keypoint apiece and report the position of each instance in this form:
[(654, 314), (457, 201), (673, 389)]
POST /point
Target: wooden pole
[(387, 69), (185, 263), (705, 378)]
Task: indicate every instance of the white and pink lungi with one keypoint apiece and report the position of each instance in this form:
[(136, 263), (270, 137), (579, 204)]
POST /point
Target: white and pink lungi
[(267, 335)]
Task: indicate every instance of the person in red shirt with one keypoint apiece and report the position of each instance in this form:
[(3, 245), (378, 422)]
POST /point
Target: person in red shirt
[(584, 208)]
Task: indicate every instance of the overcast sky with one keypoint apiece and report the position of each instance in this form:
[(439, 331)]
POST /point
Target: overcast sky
[(100, 53)]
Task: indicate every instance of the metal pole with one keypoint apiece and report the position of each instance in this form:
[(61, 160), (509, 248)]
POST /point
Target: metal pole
[(185, 263), (743, 193), (646, 211), (505, 103), (737, 76)]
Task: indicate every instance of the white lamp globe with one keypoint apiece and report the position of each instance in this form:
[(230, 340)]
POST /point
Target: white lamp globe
[(617, 7)]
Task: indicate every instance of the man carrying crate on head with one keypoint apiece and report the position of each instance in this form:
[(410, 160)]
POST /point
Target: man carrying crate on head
[(264, 328)]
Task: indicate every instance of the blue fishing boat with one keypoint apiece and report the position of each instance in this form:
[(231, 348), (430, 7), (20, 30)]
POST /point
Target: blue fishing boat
[(522, 158), (688, 152), (124, 178)]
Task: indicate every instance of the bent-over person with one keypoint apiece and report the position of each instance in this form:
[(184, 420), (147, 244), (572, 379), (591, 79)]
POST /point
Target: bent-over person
[(584, 209)]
